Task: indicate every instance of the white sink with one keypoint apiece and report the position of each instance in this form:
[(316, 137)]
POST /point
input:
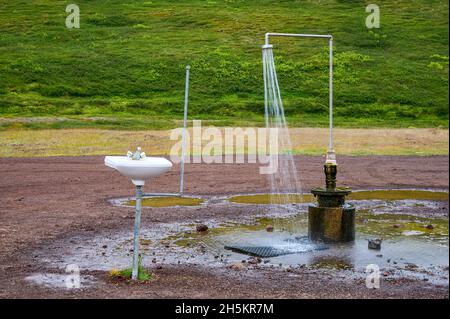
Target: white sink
[(139, 170)]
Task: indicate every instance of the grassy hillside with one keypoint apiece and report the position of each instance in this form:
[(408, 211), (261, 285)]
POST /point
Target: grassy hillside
[(124, 67)]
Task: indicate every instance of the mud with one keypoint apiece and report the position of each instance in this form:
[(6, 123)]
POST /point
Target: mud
[(48, 202)]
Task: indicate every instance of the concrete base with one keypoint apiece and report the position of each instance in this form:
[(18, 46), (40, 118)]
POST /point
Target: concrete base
[(331, 224)]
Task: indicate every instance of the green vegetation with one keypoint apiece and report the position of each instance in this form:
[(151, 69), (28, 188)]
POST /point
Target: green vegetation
[(166, 201), (367, 222), (124, 68), (399, 194), (272, 199), (396, 194), (143, 274)]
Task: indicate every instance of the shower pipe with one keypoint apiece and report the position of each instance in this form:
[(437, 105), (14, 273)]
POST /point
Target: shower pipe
[(330, 38)]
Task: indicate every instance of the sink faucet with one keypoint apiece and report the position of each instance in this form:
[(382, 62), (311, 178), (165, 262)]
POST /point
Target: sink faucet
[(136, 155)]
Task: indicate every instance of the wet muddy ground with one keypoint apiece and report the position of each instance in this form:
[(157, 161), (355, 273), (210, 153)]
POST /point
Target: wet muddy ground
[(59, 211)]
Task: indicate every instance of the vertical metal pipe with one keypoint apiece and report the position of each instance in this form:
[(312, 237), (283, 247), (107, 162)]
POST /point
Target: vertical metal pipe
[(266, 109), (330, 146), (137, 226), (183, 142)]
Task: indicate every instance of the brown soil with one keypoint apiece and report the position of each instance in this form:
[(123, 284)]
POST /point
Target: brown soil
[(45, 199)]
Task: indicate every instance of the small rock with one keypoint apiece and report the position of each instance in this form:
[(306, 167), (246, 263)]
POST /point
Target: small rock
[(380, 256), (159, 267), (375, 244), (385, 274), (145, 242), (429, 226), (237, 266), (154, 260), (105, 246), (269, 228), (396, 226), (201, 228), (254, 260), (411, 266)]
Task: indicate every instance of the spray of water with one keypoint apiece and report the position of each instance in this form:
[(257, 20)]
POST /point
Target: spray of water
[(285, 181)]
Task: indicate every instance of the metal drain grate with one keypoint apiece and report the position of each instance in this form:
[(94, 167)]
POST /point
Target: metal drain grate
[(269, 251), (258, 251)]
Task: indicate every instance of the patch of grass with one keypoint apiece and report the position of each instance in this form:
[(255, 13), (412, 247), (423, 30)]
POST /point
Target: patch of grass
[(396, 194), (127, 61), (272, 199), (359, 195), (167, 201), (143, 274), (305, 141)]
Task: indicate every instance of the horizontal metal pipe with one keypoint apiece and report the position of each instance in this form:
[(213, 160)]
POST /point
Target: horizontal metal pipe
[(327, 36)]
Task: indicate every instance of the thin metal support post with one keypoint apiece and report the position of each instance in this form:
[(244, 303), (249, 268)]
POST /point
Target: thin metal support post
[(137, 226), (330, 145), (183, 142)]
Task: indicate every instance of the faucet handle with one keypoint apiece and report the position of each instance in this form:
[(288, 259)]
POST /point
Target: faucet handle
[(137, 155)]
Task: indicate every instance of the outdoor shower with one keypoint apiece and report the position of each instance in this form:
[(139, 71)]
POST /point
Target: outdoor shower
[(332, 219)]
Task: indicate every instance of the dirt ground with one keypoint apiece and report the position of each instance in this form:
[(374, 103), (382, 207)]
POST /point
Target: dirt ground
[(46, 199)]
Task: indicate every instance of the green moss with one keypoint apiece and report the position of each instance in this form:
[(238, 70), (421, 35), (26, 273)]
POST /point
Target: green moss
[(383, 225), (167, 201), (359, 195), (272, 199), (143, 274), (398, 195)]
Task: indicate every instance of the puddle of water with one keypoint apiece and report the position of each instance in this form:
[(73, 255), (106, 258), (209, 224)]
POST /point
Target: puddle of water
[(384, 195), (399, 194), (272, 199), (51, 280), (167, 201), (409, 248)]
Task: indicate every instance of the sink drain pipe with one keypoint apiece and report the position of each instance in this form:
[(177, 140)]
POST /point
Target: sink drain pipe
[(137, 227)]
